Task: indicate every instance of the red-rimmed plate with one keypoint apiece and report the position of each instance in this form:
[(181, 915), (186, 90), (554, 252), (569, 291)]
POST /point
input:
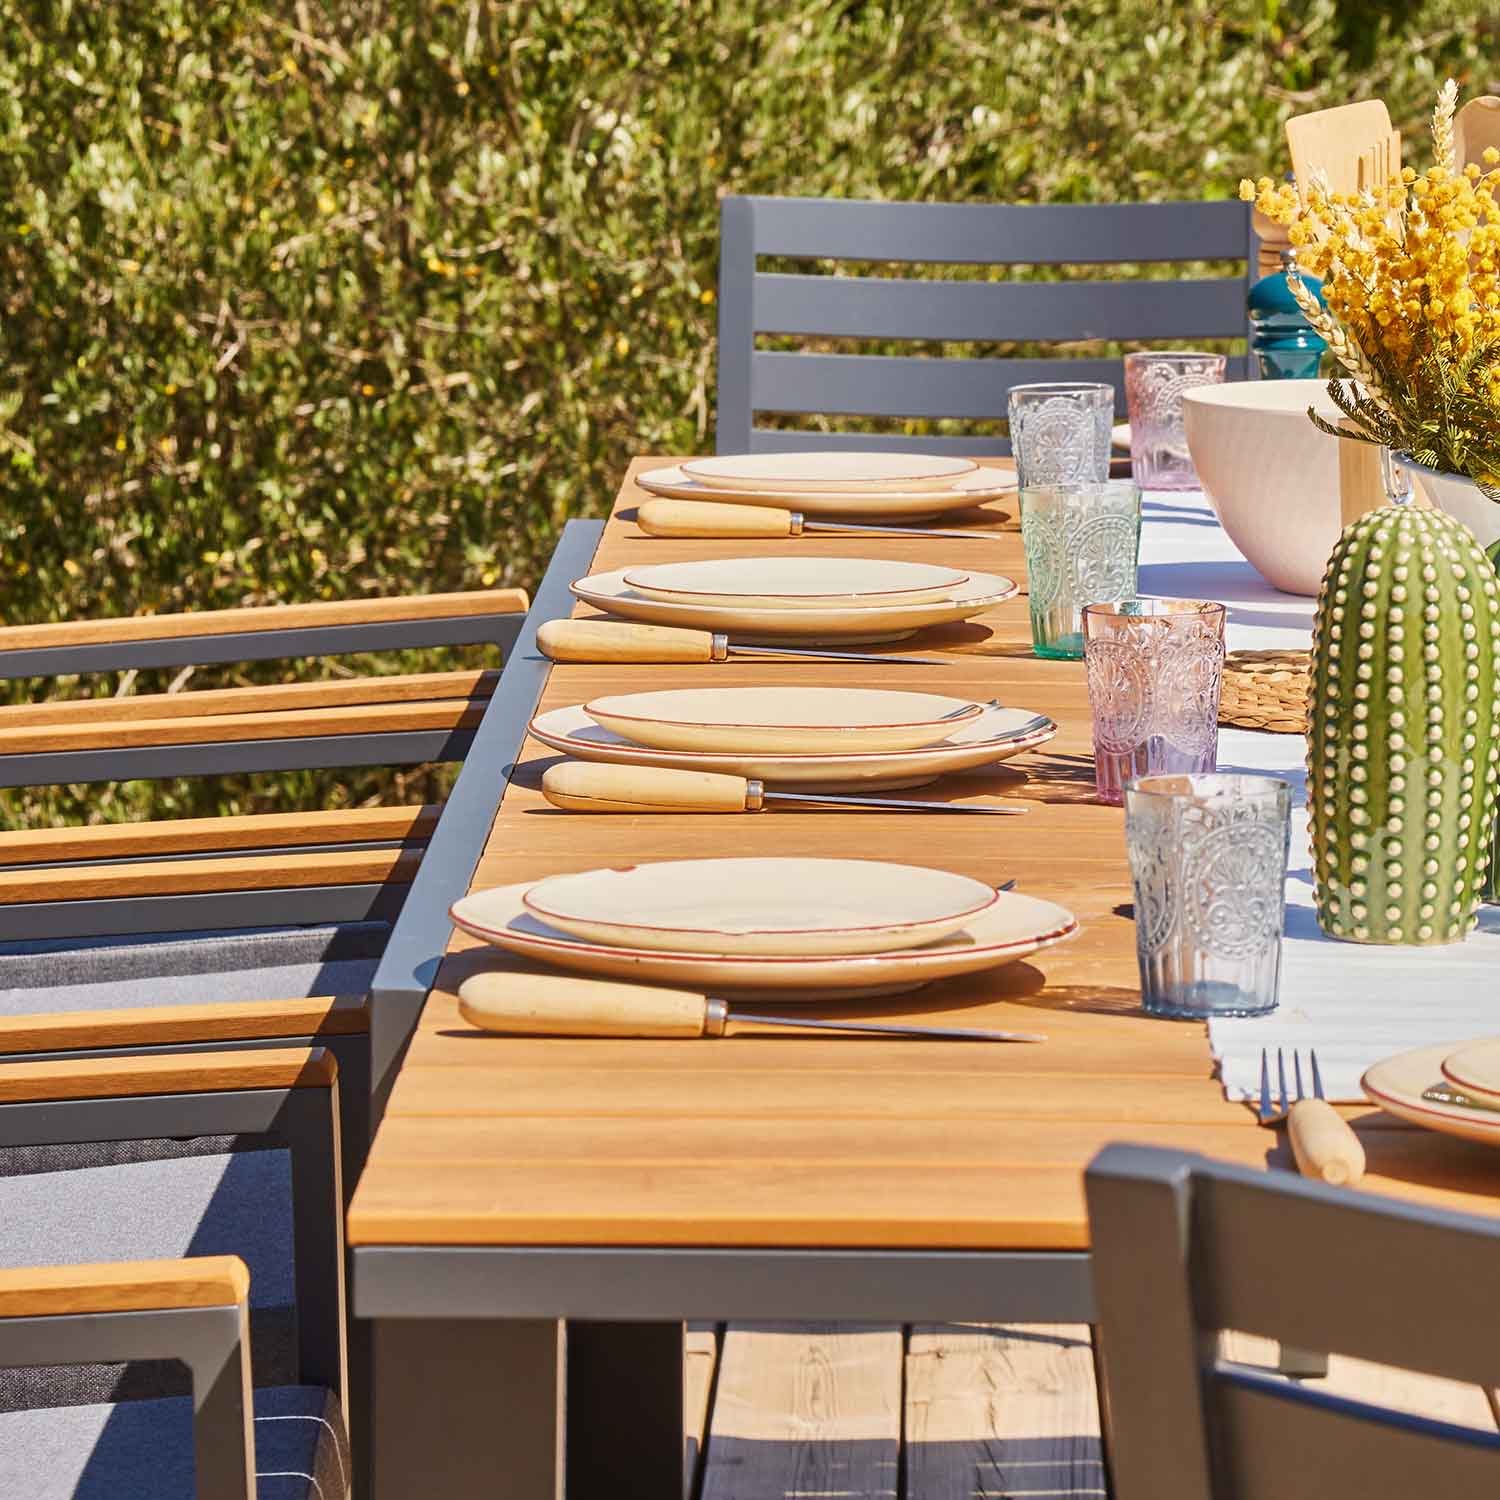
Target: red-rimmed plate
[(793, 907), (995, 735), (1398, 1083), (1013, 928)]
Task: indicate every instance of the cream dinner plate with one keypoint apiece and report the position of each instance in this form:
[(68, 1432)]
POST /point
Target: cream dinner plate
[(995, 734), (782, 719), (1397, 1083), (823, 473), (852, 505), (1013, 928), (867, 624), (793, 907), (795, 582), (1475, 1068)]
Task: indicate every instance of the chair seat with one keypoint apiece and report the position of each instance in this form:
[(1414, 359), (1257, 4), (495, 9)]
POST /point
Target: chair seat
[(269, 964), (143, 1450), (227, 1203)]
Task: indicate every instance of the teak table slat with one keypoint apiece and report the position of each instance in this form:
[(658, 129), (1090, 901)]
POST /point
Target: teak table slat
[(1106, 1072), (517, 1181)]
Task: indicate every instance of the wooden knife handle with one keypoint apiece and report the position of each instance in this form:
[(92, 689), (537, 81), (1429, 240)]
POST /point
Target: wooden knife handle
[(567, 1005), (609, 641), (1324, 1143), (584, 786), (704, 518)]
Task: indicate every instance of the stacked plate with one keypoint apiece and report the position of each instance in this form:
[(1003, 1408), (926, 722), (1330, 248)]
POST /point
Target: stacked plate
[(1453, 1090), (796, 598), (849, 485), (805, 928), (835, 738)]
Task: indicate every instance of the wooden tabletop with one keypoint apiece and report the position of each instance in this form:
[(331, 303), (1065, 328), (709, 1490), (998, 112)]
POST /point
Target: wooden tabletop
[(798, 1142)]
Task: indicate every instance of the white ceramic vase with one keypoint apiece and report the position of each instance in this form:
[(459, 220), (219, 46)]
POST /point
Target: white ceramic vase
[(1456, 494)]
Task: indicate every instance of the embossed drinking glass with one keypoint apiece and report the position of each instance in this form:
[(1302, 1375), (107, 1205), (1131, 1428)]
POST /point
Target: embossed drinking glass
[(1154, 671), (1154, 383), (1208, 858), (1059, 432), (1081, 544)]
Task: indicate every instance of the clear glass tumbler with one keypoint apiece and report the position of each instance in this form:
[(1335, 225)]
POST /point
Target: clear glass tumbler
[(1208, 858), (1081, 545), (1154, 383), (1059, 432), (1154, 667)]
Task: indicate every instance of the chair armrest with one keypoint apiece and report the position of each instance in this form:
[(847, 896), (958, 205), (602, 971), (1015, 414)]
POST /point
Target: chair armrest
[(264, 617), (124, 1286), (227, 835), (467, 688), (193, 1310), (181, 1073), (214, 1022)]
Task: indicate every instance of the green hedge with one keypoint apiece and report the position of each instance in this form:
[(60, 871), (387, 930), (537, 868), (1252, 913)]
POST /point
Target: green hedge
[(303, 301)]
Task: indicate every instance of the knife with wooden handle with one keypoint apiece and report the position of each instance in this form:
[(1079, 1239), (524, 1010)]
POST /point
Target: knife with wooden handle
[(620, 641), (588, 786), (524, 1004), (1324, 1143), (708, 518)]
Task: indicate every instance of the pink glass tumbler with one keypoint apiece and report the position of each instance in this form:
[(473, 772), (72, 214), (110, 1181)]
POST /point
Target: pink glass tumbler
[(1154, 382), (1154, 670)]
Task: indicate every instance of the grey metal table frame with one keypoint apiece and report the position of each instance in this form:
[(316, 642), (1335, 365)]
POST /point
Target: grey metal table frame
[(481, 1352)]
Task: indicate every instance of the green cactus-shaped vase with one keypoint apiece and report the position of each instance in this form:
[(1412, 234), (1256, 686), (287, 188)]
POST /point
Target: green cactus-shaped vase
[(1404, 729), (1490, 891)]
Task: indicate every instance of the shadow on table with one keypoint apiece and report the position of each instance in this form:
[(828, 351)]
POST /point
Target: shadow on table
[(1426, 1158), (1059, 777), (1090, 999), (1177, 515), (1229, 580)]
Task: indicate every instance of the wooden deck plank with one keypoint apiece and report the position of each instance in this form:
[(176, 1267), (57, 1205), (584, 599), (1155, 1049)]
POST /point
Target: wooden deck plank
[(700, 1358), (806, 1410), (1001, 1412)]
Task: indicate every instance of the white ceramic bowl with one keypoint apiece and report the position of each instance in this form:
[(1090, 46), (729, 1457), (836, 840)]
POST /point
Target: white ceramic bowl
[(1272, 477), (1460, 497)]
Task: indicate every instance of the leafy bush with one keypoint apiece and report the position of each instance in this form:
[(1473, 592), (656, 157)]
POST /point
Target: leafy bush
[(368, 297)]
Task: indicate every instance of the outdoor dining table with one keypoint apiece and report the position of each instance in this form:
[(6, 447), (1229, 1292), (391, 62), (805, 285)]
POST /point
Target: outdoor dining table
[(627, 1185)]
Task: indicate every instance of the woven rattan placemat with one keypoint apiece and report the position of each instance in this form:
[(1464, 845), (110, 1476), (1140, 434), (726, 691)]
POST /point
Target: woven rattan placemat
[(1265, 690)]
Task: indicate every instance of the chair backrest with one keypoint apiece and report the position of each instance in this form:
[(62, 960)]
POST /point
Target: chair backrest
[(1184, 1247), (753, 302)]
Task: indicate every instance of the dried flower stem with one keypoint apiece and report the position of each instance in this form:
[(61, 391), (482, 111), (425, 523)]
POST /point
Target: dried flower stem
[(1348, 353), (1442, 126)]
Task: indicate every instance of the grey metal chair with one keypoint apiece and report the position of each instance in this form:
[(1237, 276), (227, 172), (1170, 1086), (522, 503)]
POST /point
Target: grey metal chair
[(754, 302), (215, 932), (1184, 1247), (150, 1159)]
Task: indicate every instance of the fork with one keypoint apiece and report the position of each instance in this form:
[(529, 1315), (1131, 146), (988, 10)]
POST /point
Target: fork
[(1321, 1139)]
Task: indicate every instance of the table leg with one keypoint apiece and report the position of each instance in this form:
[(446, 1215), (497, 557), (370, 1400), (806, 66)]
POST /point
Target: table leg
[(625, 1436), (469, 1409)]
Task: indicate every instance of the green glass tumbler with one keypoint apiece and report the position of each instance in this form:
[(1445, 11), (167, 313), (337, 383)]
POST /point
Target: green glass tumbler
[(1082, 542)]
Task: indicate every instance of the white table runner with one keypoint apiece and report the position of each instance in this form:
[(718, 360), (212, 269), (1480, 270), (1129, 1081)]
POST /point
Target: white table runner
[(1354, 1004)]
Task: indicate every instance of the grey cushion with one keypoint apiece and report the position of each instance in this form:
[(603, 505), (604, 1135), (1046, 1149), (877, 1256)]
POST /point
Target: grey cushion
[(279, 963), (143, 1450), (228, 1203)]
